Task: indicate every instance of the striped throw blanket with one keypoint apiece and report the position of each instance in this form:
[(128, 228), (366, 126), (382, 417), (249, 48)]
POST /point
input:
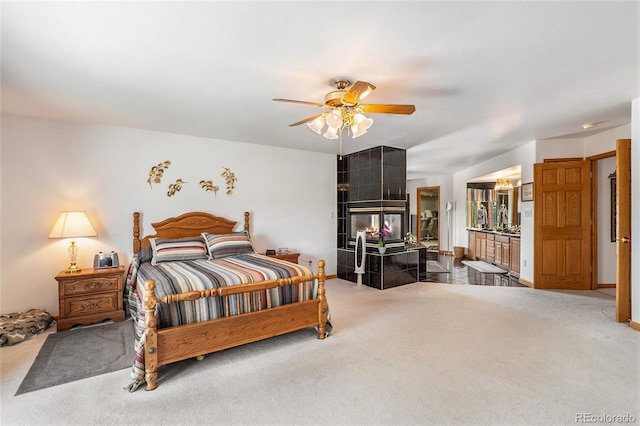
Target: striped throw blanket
[(184, 276)]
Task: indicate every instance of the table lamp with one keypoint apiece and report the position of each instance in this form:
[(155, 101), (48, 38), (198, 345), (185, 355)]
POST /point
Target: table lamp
[(73, 225)]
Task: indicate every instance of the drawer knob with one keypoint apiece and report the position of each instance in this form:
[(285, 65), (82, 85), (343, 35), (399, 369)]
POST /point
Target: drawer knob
[(91, 305)]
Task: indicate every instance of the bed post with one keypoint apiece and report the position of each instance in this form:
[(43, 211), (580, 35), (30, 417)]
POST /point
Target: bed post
[(151, 341), (322, 306), (136, 232), (246, 222)]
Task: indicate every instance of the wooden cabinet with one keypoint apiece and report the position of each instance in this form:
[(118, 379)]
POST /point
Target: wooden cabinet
[(514, 259), (90, 296), (503, 248), (471, 248), (481, 245), (491, 248), (289, 257)]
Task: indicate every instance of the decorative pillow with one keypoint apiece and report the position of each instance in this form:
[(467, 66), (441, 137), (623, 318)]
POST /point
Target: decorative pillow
[(221, 245), (170, 250), (145, 254)]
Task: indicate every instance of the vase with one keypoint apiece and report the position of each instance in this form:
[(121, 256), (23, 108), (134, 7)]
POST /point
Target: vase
[(382, 249)]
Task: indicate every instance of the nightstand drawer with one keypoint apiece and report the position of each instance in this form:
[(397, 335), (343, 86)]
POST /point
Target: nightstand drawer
[(94, 304), (93, 285)]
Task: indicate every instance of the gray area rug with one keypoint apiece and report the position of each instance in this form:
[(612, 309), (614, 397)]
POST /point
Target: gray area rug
[(484, 267), (434, 266), (80, 353)]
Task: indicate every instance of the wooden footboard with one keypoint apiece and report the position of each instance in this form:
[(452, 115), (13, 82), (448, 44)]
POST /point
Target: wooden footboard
[(167, 345)]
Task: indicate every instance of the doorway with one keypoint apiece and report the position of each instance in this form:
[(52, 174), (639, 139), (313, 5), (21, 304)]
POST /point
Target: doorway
[(428, 217)]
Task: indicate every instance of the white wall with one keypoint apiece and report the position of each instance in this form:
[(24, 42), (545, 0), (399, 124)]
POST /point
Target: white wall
[(49, 166), (605, 141), (559, 148), (606, 248)]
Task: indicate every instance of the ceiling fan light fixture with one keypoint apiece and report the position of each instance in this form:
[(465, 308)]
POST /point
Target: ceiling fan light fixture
[(356, 131), (360, 125), (362, 121), (317, 125), (334, 119), (344, 111), (331, 133)]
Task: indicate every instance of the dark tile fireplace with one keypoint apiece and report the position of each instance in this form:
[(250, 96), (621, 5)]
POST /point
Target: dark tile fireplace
[(372, 192)]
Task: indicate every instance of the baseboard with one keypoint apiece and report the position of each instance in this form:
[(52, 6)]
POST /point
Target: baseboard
[(607, 285), (525, 282), (332, 276), (634, 325)]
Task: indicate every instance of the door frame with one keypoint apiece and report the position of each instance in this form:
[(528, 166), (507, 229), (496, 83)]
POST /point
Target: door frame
[(594, 213), (623, 291), (419, 212)]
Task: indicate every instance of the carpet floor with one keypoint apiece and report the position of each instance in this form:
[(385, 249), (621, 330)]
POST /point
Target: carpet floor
[(80, 353), (422, 353)]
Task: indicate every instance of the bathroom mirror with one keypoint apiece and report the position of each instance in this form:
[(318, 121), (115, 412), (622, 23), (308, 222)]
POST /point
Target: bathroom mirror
[(493, 200)]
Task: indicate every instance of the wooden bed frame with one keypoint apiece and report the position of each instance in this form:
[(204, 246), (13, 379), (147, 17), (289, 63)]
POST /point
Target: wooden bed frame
[(167, 345)]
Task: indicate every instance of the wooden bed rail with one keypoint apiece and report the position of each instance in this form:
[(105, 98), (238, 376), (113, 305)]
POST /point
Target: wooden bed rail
[(150, 286), (151, 327)]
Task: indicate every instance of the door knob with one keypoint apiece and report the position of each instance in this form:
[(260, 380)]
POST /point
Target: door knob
[(624, 240)]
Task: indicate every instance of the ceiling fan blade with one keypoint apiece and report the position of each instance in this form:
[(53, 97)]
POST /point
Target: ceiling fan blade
[(388, 109), (306, 120), (298, 102), (358, 91)]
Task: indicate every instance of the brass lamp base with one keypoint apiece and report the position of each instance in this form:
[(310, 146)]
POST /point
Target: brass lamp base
[(72, 269)]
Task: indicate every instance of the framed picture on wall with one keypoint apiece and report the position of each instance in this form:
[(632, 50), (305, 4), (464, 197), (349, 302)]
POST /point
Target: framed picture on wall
[(526, 192)]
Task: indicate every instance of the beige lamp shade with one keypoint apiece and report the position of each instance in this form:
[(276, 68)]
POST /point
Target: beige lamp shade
[(72, 225)]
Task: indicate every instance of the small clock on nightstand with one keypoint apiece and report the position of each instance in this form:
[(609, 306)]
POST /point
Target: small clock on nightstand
[(90, 296)]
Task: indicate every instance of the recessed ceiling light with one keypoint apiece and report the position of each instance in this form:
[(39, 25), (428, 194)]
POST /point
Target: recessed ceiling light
[(588, 126)]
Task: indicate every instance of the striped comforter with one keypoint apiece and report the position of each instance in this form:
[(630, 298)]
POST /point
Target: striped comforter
[(180, 277)]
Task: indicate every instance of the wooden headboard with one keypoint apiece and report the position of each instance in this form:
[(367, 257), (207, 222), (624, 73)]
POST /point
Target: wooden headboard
[(185, 225)]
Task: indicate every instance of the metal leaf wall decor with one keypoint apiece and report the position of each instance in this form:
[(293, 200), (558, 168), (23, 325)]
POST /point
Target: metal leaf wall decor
[(157, 172), (208, 186), (175, 187), (230, 179)]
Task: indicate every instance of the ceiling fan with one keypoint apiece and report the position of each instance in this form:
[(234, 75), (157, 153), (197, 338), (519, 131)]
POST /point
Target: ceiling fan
[(344, 110)]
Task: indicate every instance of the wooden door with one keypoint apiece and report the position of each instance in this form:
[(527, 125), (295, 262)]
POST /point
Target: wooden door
[(623, 230), (562, 225)]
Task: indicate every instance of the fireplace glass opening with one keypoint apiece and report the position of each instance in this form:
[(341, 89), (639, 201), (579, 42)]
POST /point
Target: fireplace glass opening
[(370, 223)]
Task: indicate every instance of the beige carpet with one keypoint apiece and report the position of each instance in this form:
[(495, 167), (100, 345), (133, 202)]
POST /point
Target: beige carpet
[(418, 354)]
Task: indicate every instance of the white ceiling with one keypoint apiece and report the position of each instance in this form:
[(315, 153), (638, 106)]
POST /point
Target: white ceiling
[(485, 77)]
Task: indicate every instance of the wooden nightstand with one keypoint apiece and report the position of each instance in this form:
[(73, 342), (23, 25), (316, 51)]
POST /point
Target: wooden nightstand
[(290, 257), (90, 296)]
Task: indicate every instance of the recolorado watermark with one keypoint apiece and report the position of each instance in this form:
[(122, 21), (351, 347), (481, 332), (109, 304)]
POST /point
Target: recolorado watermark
[(605, 418)]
